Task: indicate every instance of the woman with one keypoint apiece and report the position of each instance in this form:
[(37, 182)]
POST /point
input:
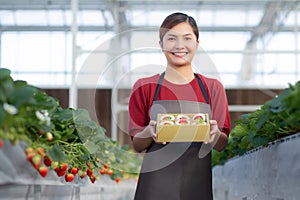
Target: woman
[(181, 170)]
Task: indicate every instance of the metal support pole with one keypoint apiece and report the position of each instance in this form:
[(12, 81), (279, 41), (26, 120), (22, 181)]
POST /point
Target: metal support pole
[(73, 88), (296, 32), (37, 190), (77, 192)]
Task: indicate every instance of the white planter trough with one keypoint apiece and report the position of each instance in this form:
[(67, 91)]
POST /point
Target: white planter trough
[(270, 173), (19, 180)]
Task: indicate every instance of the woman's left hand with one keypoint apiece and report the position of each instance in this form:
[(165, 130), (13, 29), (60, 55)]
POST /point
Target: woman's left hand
[(214, 133), (218, 140)]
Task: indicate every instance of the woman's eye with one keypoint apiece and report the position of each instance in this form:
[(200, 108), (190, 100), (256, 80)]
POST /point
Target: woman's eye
[(187, 38), (170, 39)]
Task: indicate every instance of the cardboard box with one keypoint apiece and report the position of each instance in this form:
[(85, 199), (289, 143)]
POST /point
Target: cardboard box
[(170, 129)]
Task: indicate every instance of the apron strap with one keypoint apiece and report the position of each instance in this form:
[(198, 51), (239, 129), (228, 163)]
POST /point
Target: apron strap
[(202, 88), (161, 78)]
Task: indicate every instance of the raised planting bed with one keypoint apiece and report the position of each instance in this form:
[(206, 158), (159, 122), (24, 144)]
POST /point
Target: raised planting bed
[(268, 173), (42, 144)]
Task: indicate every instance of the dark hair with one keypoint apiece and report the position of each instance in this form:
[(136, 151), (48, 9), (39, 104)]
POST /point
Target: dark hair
[(174, 19)]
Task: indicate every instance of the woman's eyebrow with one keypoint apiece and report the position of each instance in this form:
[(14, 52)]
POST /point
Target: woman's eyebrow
[(176, 35)]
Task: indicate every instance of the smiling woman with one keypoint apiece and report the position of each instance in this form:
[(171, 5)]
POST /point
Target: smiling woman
[(177, 170)]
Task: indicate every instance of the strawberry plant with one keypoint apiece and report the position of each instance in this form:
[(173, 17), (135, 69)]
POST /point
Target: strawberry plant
[(64, 140), (275, 119)]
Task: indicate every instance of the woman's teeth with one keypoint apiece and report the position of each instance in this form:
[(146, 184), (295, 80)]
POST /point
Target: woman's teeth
[(179, 53)]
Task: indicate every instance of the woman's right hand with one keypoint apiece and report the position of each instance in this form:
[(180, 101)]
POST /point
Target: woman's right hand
[(152, 129), (143, 139)]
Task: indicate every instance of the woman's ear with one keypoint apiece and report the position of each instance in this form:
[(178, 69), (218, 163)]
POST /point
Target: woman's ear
[(160, 44)]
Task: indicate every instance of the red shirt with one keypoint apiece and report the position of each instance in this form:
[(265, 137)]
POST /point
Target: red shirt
[(144, 91)]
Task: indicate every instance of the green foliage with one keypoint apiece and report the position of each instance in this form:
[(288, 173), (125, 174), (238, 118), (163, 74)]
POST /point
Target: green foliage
[(277, 118), (66, 135)]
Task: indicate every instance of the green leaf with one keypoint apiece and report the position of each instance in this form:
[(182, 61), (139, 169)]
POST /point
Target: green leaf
[(4, 73), (91, 146), (64, 115), (2, 114), (6, 89), (81, 115), (56, 154), (22, 95), (260, 140)]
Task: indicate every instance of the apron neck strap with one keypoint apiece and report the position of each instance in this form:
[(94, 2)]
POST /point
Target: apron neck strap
[(161, 78), (203, 90)]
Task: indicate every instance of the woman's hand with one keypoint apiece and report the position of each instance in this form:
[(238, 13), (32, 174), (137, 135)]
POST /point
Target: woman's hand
[(143, 139), (152, 131), (218, 140)]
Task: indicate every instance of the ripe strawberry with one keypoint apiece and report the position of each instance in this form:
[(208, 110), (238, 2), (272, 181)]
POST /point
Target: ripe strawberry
[(43, 171), (1, 143), (110, 172), (73, 170), (64, 166), (105, 165), (47, 161), (103, 171), (36, 161), (93, 178), (117, 180), (60, 172), (69, 177), (89, 172)]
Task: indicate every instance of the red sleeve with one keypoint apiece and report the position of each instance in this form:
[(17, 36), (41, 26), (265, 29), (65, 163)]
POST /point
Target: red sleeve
[(138, 108), (219, 105)]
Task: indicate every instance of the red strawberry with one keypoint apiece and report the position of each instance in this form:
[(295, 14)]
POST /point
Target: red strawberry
[(110, 172), (1, 143), (43, 171), (73, 170), (47, 161), (93, 179), (105, 165), (64, 166), (117, 180), (89, 172), (60, 172), (69, 177), (103, 171)]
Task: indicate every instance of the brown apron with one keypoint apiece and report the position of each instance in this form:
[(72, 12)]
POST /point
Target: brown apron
[(178, 170)]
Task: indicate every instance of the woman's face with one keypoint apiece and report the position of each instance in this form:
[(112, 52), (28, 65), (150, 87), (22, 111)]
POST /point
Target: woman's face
[(179, 45)]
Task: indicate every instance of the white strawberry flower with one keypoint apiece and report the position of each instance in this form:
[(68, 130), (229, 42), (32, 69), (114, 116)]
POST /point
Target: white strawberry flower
[(43, 116), (10, 109)]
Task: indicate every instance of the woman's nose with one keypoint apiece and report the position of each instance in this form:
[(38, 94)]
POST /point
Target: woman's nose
[(179, 44)]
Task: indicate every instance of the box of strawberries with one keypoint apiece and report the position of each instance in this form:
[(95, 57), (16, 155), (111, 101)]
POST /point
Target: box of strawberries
[(182, 127)]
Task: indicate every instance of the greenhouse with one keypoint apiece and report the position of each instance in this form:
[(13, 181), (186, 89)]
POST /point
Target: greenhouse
[(106, 99)]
